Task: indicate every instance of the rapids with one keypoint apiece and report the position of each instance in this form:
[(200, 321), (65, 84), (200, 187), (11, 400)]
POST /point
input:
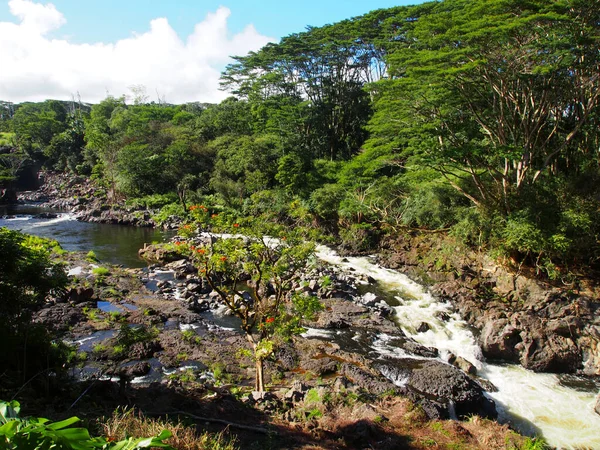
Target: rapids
[(533, 403)]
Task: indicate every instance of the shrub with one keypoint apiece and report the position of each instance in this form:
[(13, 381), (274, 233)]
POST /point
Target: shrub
[(39, 433), (100, 271), (27, 278)]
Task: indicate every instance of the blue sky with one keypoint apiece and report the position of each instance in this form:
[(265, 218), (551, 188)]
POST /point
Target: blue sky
[(109, 20), (176, 50)]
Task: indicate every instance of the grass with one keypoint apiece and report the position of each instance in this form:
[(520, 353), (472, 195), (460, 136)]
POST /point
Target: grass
[(129, 422), (100, 271)]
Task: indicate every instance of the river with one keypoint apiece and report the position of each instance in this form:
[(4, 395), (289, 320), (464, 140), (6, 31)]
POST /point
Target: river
[(559, 407), (112, 243)]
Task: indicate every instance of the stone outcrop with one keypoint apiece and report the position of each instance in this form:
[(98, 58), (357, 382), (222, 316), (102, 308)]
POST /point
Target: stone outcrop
[(520, 319)]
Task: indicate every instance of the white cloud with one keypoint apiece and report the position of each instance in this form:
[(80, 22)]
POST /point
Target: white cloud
[(36, 67)]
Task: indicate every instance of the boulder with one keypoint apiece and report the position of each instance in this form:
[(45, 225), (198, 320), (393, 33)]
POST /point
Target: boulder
[(80, 295), (462, 364), (550, 353), (296, 392), (597, 408), (60, 317), (367, 381), (423, 327), (449, 386), (498, 340)]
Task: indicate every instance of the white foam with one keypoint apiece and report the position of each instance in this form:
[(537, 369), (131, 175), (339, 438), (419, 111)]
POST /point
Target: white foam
[(75, 271), (564, 415), (61, 218), (317, 333)]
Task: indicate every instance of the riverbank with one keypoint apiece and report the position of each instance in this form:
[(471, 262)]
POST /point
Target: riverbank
[(89, 202)]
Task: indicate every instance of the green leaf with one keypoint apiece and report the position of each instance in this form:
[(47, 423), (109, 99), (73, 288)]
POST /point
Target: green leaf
[(9, 410), (9, 428), (64, 423), (74, 434)]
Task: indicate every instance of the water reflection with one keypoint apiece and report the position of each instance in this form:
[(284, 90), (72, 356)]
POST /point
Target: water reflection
[(115, 244)]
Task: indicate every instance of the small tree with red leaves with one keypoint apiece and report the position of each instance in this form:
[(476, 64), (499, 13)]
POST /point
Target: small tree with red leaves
[(252, 269)]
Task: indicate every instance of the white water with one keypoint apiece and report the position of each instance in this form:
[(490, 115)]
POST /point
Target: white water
[(61, 218), (564, 416)]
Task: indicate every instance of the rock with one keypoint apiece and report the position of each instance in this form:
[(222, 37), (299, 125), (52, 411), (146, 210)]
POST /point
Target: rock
[(448, 385), (144, 350), (60, 317), (46, 216), (321, 366), (130, 371), (498, 340), (341, 384), (363, 379), (265, 401), (159, 254), (423, 327), (443, 316), (369, 299), (80, 295), (296, 392), (462, 364), (420, 350), (597, 408), (550, 353)]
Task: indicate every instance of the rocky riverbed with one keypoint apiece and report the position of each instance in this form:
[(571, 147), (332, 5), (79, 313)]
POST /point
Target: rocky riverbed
[(543, 327), (161, 332)]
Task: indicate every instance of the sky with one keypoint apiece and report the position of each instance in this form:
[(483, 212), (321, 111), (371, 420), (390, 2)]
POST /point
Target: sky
[(174, 49)]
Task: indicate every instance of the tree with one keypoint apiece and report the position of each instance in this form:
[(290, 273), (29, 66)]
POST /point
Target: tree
[(252, 274), (495, 95), (35, 124), (103, 136)]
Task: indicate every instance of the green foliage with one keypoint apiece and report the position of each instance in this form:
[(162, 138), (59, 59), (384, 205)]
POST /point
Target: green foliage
[(7, 139), (433, 206), (270, 263), (155, 201), (169, 211), (100, 271), (534, 444), (40, 433), (91, 257), (129, 335), (27, 278)]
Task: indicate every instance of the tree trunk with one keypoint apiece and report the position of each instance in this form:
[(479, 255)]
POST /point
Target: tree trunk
[(260, 381)]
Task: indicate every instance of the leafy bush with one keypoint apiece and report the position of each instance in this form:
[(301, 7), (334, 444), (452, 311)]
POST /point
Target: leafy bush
[(154, 201), (433, 205), (359, 237), (27, 277), (40, 433), (168, 211), (100, 271)]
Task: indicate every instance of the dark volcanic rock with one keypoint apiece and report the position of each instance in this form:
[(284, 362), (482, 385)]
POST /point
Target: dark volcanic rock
[(446, 384), (369, 382), (143, 350), (80, 294), (498, 340), (137, 369), (60, 317)]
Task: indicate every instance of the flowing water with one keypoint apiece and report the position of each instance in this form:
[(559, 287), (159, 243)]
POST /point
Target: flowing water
[(561, 408), (115, 244)]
